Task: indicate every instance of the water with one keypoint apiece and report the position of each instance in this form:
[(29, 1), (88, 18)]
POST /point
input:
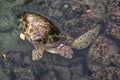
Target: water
[(16, 55)]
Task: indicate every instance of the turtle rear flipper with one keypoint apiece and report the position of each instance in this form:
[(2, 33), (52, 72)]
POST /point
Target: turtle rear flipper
[(86, 39), (63, 50)]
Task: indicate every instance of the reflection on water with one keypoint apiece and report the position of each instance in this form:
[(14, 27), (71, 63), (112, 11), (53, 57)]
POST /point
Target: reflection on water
[(97, 61)]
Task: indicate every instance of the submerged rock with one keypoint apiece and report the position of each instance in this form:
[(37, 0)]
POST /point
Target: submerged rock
[(23, 73), (3, 76), (109, 73), (113, 30), (100, 53), (113, 25), (7, 20), (77, 77), (18, 67), (114, 11), (77, 69), (63, 73), (115, 59), (50, 75)]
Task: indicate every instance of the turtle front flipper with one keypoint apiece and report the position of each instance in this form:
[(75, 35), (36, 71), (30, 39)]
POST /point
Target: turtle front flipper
[(63, 50), (37, 53)]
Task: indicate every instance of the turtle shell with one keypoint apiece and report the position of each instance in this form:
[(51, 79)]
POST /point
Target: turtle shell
[(38, 29)]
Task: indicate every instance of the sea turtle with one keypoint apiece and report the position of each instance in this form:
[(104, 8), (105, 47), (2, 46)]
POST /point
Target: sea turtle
[(45, 35)]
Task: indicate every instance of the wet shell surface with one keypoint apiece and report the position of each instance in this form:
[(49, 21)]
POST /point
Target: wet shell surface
[(109, 73), (100, 53), (38, 29)]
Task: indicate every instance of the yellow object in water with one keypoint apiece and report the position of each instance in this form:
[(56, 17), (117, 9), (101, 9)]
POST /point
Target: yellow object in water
[(4, 56), (22, 36)]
